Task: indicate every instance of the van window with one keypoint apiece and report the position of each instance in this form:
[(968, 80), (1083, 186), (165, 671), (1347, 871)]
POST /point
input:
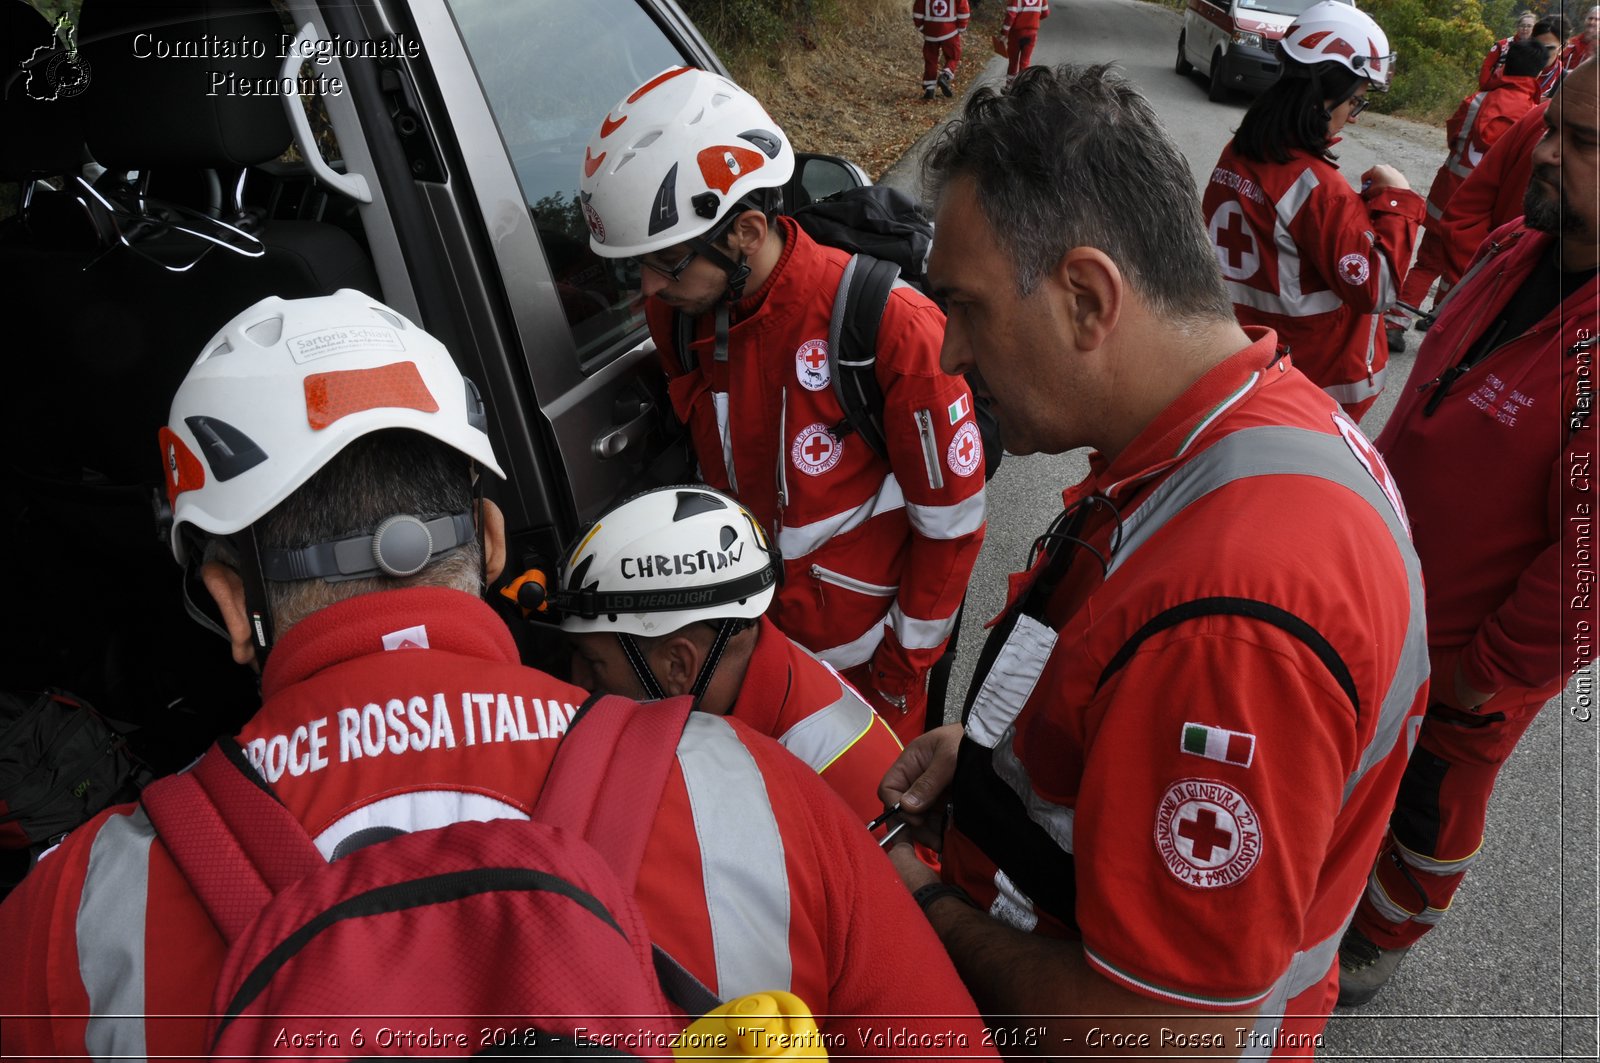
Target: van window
[(549, 70)]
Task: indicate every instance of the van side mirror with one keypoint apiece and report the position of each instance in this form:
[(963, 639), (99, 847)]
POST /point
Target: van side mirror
[(818, 177)]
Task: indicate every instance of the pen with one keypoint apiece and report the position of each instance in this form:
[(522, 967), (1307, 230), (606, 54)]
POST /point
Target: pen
[(881, 820)]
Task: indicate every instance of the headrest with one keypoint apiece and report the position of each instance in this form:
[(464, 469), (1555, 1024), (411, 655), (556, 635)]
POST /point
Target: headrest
[(166, 80), (41, 115)]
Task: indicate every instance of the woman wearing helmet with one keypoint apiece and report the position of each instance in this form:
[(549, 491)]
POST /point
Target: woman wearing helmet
[(1300, 251), (685, 177), (665, 595)]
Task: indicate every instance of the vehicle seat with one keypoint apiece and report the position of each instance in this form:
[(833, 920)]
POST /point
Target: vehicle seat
[(135, 326), (106, 338)]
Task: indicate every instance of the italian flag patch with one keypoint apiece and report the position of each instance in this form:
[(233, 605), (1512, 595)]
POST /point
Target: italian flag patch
[(959, 409), (1214, 743)]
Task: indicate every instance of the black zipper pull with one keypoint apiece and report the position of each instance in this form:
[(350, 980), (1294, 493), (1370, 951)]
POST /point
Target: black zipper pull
[(1440, 384)]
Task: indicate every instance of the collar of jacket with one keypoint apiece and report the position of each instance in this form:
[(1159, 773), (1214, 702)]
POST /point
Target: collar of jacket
[(451, 621)]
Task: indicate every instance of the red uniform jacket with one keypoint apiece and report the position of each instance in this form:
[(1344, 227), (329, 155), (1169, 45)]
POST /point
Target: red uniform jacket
[(1023, 16), (410, 709), (939, 20), (1161, 825), (1303, 254), (1500, 488), (876, 553), (789, 695), (1492, 60), (1482, 119), (1491, 196), (1576, 51)]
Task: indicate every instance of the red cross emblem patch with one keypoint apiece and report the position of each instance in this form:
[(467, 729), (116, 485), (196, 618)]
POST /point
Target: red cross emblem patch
[(811, 365), (1354, 270), (965, 453), (1207, 833), (816, 449), (1234, 242)]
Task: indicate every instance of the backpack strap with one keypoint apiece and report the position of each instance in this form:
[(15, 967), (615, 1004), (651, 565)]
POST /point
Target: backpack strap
[(682, 339), (619, 739), (233, 840), (853, 346)]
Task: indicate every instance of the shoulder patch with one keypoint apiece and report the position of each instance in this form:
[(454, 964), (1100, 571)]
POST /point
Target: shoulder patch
[(965, 453), (811, 365), (1207, 833), (1354, 270)]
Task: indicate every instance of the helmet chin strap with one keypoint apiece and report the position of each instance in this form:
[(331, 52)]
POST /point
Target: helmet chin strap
[(726, 629), (738, 273)]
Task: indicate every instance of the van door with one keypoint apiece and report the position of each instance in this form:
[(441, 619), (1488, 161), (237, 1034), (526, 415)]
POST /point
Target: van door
[(523, 87)]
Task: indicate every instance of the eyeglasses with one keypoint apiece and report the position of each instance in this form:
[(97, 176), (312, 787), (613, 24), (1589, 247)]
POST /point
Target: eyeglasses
[(673, 273), (1358, 104)]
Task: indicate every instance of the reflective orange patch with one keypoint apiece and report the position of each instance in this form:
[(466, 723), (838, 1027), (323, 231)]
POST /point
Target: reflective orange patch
[(184, 471), (721, 166), (330, 396), (644, 89)]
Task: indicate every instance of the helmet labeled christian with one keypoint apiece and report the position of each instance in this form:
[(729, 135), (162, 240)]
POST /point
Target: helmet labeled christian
[(663, 560), (289, 383), (671, 160), (1334, 31)]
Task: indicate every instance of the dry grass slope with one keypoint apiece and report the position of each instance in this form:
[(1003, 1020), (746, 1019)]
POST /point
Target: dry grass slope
[(857, 92)]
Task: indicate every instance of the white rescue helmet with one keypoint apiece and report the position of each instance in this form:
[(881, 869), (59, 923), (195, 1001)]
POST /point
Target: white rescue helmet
[(671, 159), (1334, 31), (288, 384), (663, 560)]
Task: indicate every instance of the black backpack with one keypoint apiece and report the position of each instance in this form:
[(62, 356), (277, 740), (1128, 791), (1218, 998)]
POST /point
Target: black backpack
[(889, 236), (60, 763)]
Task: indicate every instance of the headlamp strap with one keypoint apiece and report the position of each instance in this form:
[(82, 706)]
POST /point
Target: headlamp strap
[(401, 546), (590, 603)]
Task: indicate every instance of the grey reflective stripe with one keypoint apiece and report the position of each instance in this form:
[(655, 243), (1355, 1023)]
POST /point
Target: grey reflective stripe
[(1057, 820), (719, 401), (949, 522), (807, 538), (917, 634), (1283, 451), (857, 651), (1291, 300), (1010, 680), (1435, 866), (741, 859), (822, 737), (1383, 904), (1306, 969), (1360, 389), (1457, 161), (111, 936), (1264, 1033)]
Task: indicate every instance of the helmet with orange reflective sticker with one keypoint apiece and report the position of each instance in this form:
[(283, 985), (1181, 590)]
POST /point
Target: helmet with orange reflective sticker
[(289, 383), (275, 395), (672, 159)]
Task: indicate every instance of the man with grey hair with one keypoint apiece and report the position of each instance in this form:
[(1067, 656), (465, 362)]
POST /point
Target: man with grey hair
[(1190, 717), (333, 448)]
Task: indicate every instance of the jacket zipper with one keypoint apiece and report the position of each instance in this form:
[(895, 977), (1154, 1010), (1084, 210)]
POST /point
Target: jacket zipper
[(930, 450), (850, 583), (1443, 382)]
